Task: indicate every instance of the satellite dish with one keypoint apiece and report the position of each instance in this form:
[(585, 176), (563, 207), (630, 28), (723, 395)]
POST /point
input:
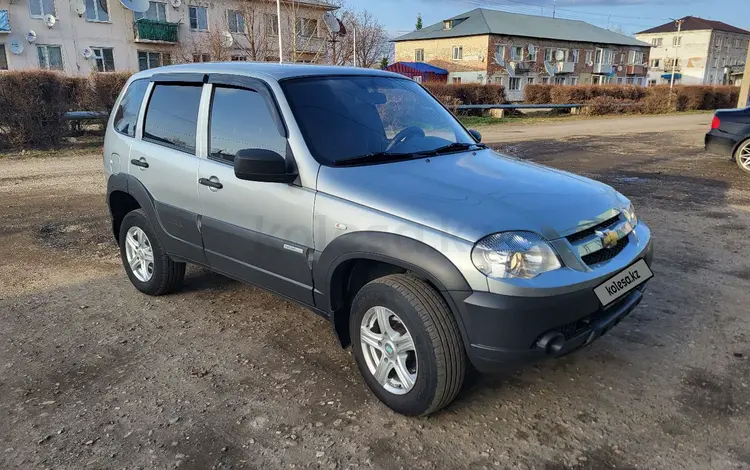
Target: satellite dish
[(226, 39), (511, 68), (50, 20), (560, 56), (499, 59), (31, 36), (342, 28), (619, 68), (87, 52), (138, 6), (531, 49), (551, 69), (15, 46), (591, 63), (80, 7), (175, 3), (645, 64), (481, 57), (331, 22)]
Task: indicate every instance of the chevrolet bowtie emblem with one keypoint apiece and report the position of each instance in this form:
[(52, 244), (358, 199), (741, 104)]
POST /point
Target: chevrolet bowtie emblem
[(609, 238)]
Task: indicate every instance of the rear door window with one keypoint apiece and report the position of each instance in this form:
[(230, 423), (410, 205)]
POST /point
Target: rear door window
[(126, 115), (172, 116), (240, 119)]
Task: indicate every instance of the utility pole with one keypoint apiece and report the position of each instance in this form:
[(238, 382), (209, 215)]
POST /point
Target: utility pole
[(278, 19), (745, 90), (354, 30), (554, 8), (678, 43)]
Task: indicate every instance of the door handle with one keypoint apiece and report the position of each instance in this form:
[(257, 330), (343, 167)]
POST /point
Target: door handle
[(212, 183), (142, 163)]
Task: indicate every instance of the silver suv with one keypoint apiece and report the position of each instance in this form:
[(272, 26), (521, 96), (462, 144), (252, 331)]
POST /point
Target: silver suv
[(356, 194)]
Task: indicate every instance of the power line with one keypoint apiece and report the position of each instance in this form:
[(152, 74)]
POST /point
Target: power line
[(499, 3)]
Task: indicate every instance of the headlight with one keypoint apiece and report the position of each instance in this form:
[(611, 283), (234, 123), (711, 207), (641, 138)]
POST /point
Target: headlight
[(523, 255), (630, 215)]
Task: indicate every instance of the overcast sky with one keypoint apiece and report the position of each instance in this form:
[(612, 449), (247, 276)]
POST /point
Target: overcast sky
[(399, 16)]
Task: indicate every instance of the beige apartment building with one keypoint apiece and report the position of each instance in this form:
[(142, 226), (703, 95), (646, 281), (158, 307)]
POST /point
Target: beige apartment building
[(467, 46), (104, 36), (704, 52)]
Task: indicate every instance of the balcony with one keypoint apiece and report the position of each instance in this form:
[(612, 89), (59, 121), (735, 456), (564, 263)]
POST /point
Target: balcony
[(565, 67), (160, 32), (636, 69), (604, 69), (4, 22)]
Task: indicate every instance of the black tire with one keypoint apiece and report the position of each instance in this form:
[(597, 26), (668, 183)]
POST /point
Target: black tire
[(168, 274), (737, 155), (437, 340)]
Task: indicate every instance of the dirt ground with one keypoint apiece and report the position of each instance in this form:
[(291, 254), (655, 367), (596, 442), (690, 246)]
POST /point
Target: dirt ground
[(222, 375)]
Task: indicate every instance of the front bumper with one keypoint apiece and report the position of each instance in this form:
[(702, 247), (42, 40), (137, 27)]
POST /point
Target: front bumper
[(506, 330), (720, 143)]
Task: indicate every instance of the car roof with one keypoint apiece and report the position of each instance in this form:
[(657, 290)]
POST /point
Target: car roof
[(270, 70)]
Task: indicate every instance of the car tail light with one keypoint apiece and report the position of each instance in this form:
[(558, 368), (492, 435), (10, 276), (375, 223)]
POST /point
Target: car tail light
[(715, 123)]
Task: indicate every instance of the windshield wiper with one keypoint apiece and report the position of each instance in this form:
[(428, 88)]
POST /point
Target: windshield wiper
[(454, 147), (377, 157)]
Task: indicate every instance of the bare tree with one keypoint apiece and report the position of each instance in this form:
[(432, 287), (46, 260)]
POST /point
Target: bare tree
[(372, 40)]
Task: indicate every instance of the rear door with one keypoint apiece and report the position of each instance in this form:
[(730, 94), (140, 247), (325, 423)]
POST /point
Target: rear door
[(163, 159), (258, 232)]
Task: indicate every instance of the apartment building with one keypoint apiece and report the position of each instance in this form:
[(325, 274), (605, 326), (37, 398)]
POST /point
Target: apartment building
[(704, 52), (468, 44), (104, 36)]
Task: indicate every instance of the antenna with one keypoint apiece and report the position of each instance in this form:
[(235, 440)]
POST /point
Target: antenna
[(87, 52), (50, 20), (226, 39), (31, 36), (175, 3), (332, 23), (551, 69), (511, 68), (499, 59), (80, 7), (560, 56), (138, 6), (15, 46)]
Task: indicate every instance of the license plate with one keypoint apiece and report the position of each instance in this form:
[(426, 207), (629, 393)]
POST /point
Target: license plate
[(623, 282)]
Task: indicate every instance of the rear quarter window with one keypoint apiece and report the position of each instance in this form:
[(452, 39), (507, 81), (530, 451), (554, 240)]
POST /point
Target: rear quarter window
[(172, 116), (126, 115)]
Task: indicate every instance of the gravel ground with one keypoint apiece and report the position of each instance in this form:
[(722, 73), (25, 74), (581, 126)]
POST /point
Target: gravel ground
[(223, 375)]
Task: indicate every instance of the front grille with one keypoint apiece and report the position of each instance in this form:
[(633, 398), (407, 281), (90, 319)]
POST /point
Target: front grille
[(606, 254), (591, 230)]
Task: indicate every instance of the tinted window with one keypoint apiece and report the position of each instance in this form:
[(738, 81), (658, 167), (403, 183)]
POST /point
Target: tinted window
[(127, 113), (240, 119), (172, 116)]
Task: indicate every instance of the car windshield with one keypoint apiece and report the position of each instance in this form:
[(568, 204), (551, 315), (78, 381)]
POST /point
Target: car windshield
[(370, 118)]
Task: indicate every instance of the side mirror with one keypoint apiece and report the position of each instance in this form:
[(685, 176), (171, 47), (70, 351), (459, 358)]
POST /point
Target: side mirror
[(262, 165), (476, 134)]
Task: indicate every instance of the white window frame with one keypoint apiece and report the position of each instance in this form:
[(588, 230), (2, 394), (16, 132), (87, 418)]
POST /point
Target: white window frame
[(655, 63), (589, 56), (96, 12), (516, 81), (500, 50), (45, 48), (41, 8), (99, 55), (573, 81), (148, 61), (458, 53), (303, 26), (197, 18), (529, 80), (657, 42), (236, 27), (635, 57), (164, 8), (514, 54), (677, 41), (532, 57), (575, 55), (549, 54), (418, 78)]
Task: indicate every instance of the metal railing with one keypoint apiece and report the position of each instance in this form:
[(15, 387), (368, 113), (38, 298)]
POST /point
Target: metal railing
[(151, 30)]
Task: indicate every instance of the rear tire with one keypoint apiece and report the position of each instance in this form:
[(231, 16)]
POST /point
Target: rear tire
[(742, 156), (437, 356), (148, 266)]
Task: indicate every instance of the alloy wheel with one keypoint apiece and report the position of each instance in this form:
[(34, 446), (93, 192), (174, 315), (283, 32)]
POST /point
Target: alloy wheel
[(140, 254), (388, 349)]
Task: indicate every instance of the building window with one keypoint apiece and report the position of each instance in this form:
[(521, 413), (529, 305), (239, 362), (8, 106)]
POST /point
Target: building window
[(50, 57), (530, 80), (619, 80), (589, 55), (630, 81), (418, 78), (657, 42), (457, 80), (307, 27), (574, 56), (622, 58), (447, 24), (201, 58), (458, 52), (198, 18), (548, 53), (545, 80), (573, 80), (718, 41), (157, 11), (104, 58), (97, 10), (272, 22), (635, 57), (716, 62), (4, 23), (723, 61), (3, 58), (516, 53), (40, 8), (514, 84), (236, 21), (149, 60), (677, 40), (500, 49), (532, 55), (239, 58), (419, 55), (736, 42), (655, 63)]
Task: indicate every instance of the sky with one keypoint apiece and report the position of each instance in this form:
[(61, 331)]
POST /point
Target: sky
[(629, 16)]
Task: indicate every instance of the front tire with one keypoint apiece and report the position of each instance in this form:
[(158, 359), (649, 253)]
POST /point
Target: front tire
[(407, 345), (742, 156), (146, 263)]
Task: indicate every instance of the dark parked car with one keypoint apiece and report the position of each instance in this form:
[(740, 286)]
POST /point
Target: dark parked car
[(730, 135)]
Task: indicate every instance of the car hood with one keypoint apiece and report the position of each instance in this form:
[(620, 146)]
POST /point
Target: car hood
[(474, 194)]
